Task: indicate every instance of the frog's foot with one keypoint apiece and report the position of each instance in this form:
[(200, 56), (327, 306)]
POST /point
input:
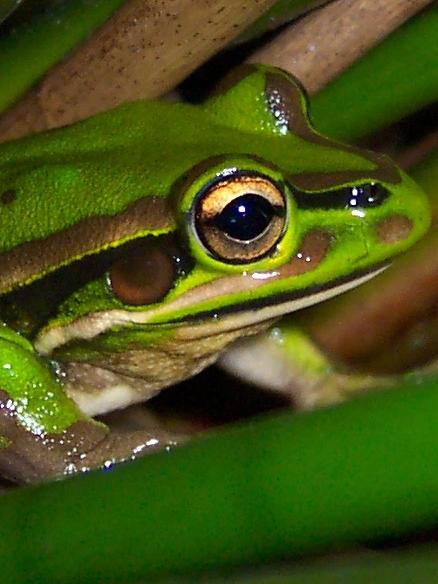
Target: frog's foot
[(43, 433), (118, 447), (28, 456), (290, 363), (338, 387), (31, 457)]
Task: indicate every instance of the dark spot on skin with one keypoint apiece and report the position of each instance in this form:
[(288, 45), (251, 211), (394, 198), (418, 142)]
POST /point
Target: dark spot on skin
[(312, 250), (394, 229), (8, 197), (144, 274)]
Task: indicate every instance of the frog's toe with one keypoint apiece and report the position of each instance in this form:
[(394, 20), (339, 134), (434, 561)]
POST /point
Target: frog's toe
[(124, 446), (28, 456)]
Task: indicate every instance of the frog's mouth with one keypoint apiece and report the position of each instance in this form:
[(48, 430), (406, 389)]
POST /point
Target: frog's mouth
[(267, 308), (204, 323), (287, 301)]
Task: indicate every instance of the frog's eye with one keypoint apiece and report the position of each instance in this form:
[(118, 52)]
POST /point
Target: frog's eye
[(240, 219)]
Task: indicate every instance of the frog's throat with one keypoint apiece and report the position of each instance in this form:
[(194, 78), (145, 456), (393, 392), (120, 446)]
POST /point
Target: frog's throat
[(203, 324)]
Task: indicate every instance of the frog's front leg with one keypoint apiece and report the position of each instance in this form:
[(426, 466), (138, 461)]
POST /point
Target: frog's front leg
[(287, 360), (42, 432)]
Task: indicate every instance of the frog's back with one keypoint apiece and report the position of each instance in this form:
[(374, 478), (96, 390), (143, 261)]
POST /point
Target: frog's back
[(80, 188)]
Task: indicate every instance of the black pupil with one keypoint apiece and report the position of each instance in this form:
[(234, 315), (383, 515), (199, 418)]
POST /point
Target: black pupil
[(246, 217), (369, 195)]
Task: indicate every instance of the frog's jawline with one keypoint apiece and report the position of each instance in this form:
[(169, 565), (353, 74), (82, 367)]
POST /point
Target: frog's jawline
[(286, 297), (235, 317)]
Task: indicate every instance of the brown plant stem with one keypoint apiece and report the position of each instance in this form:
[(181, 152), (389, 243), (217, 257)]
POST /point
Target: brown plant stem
[(371, 321), (141, 52), (322, 44)]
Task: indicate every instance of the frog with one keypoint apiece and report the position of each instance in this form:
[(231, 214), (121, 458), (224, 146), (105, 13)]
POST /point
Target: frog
[(136, 246)]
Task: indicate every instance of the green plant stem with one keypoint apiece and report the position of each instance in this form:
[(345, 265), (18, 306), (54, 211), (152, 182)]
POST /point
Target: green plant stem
[(282, 11), (28, 49), (396, 78), (275, 488), (416, 564), (426, 174)]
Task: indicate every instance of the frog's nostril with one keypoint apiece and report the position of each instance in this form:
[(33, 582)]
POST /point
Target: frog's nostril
[(394, 229)]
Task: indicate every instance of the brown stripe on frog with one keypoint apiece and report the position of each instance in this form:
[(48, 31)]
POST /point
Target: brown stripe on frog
[(394, 229), (310, 254), (233, 78), (319, 181), (34, 259), (285, 101)]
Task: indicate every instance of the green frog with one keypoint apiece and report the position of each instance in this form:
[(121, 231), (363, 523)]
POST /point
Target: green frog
[(137, 245)]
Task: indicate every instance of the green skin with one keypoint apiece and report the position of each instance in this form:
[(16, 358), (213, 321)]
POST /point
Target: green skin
[(75, 198)]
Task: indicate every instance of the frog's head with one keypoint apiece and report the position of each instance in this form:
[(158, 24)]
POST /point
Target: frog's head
[(274, 219)]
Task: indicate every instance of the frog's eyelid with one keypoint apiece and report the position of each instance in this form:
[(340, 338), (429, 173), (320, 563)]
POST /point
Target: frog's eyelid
[(359, 196)]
